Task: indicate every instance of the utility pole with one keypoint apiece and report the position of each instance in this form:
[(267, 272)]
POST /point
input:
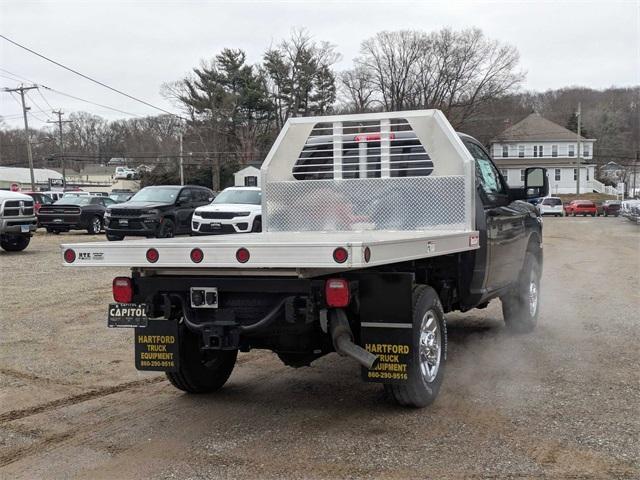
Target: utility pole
[(22, 89), (579, 115), (181, 163), (60, 122)]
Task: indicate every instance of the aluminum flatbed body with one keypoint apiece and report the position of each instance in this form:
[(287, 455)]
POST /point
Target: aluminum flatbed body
[(301, 254)]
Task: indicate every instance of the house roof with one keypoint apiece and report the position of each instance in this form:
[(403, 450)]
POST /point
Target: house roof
[(535, 127)]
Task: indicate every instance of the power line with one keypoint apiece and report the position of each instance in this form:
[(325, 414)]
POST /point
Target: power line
[(89, 101), (90, 78), (39, 108)]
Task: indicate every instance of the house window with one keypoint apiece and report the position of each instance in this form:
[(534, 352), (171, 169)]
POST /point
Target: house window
[(522, 175), (505, 150), (575, 174), (572, 150), (585, 150), (535, 150), (540, 154), (251, 181), (554, 150), (557, 176), (521, 151), (587, 174)]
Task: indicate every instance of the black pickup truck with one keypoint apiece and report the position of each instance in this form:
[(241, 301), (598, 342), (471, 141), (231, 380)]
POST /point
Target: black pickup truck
[(340, 266)]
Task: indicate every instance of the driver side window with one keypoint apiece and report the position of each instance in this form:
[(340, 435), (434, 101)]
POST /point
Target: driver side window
[(185, 196), (487, 175)]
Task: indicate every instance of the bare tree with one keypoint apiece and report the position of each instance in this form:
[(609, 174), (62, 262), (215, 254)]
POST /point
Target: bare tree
[(357, 86)]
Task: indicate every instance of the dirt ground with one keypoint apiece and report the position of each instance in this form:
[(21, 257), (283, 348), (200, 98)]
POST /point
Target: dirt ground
[(563, 402)]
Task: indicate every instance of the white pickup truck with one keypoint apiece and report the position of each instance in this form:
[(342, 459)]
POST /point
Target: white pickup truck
[(374, 226), (17, 221)]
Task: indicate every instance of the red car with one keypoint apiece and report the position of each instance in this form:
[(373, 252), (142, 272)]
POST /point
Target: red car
[(580, 207), (39, 199)]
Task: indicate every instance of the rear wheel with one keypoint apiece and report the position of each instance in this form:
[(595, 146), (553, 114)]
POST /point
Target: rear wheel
[(15, 243), (429, 349), (257, 225), (201, 371), (520, 306)]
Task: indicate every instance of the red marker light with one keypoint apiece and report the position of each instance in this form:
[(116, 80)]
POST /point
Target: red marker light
[(69, 256), (372, 137), (367, 254), (122, 290), (243, 255), (340, 255), (197, 255), (152, 255)]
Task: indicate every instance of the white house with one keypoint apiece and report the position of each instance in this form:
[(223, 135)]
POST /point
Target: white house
[(247, 177), (538, 142)]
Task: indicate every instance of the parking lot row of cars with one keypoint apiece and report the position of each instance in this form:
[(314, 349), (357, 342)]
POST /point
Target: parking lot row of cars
[(614, 208), (157, 211)]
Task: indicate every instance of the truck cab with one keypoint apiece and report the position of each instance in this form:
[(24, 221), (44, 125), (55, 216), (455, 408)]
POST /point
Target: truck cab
[(17, 220)]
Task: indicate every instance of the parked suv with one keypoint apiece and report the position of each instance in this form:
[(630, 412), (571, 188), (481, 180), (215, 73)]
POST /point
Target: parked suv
[(550, 206), (160, 211), (609, 207), (235, 210), (84, 212), (17, 221)]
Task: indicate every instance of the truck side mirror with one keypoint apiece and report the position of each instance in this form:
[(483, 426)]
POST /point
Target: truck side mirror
[(536, 183)]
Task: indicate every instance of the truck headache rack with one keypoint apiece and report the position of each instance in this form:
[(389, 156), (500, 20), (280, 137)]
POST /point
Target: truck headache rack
[(389, 171), (384, 187)]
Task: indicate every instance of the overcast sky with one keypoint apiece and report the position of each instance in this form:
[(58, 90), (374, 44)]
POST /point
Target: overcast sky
[(135, 46)]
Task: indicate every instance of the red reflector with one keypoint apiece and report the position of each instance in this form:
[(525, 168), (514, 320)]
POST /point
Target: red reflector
[(367, 254), (336, 292), (122, 290), (371, 137), (152, 255), (340, 255), (197, 255), (243, 255), (69, 256)]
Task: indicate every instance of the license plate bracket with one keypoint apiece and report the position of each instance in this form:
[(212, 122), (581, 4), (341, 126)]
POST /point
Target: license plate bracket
[(24, 228), (127, 315)]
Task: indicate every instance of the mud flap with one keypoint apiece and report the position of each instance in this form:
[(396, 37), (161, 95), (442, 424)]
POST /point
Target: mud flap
[(157, 346), (387, 325)]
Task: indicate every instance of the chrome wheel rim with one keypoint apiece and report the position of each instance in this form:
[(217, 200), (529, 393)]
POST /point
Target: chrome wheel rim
[(533, 295), (430, 346), (96, 225)]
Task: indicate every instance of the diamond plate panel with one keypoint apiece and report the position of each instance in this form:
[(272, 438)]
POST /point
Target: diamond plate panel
[(415, 203)]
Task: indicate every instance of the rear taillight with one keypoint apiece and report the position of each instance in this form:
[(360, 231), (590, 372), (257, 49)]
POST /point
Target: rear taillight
[(196, 255), (122, 290), (69, 255), (372, 137), (336, 292)]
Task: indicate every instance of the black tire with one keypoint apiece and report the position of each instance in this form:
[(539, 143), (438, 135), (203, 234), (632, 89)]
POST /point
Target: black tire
[(114, 238), (201, 371), (606, 214), (419, 391), (257, 225), (166, 229), (519, 308), (50, 230), (15, 243), (95, 226)]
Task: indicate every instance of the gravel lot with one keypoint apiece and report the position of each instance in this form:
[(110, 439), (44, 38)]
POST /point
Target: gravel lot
[(563, 402)]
